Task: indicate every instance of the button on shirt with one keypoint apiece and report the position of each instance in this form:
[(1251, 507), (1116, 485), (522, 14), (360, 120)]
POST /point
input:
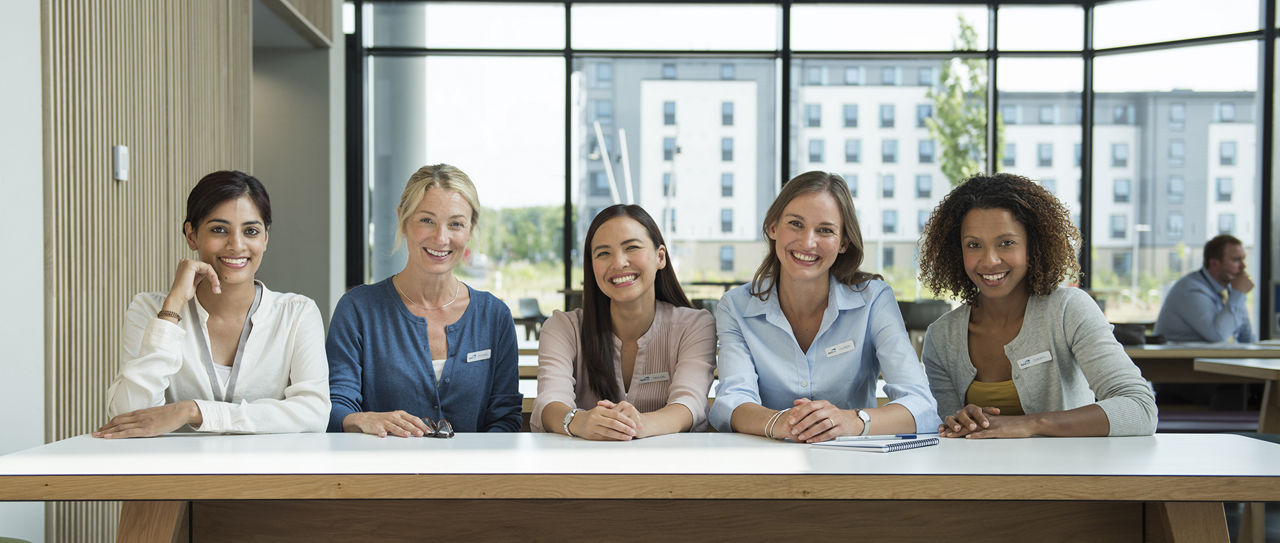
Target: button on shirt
[(862, 337), (1194, 310)]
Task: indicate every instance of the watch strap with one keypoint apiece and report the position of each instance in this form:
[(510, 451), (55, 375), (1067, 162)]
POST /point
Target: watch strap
[(866, 421), (568, 417)]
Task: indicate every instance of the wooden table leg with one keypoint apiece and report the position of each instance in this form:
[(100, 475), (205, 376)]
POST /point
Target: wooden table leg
[(153, 522), (1253, 522), (1186, 522), (1269, 418)]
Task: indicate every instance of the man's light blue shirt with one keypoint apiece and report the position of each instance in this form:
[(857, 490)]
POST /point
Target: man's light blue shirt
[(862, 336), (1193, 311)]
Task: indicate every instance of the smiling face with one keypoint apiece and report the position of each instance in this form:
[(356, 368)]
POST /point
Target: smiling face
[(437, 231), (994, 245), (807, 237), (625, 261), (232, 238)]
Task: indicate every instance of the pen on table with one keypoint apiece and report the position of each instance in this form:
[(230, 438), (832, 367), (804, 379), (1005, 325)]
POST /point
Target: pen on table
[(881, 437)]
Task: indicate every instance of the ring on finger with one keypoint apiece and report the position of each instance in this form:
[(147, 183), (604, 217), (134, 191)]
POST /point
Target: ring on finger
[(832, 423)]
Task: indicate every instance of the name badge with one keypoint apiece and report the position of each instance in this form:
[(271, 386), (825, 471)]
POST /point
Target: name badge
[(839, 349), (655, 377), (1034, 359), (478, 355)]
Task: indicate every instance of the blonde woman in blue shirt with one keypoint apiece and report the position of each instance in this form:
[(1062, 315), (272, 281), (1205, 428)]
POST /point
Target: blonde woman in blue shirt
[(802, 345)]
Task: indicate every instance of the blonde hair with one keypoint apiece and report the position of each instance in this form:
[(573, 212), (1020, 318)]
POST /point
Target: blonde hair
[(436, 175)]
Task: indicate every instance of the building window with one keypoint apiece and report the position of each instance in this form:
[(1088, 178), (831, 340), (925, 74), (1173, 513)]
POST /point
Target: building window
[(1226, 112), (817, 148), (669, 113), (726, 114), (888, 75), (923, 112), (726, 185), (671, 220), (926, 151), (604, 110), (667, 190), (853, 75), (1075, 153), (1225, 189), (1177, 116), (853, 151), (726, 149), (1173, 229), (726, 221), (1124, 114), (924, 186), (886, 186), (851, 179), (925, 77), (851, 115), (886, 115), (599, 184), (889, 151), (886, 258), (1119, 226), (813, 115), (668, 71), (1177, 153), (726, 258), (815, 75), (1119, 155), (1044, 155), (1078, 118), (604, 75), (1010, 158), (1010, 113), (1048, 114), (1050, 184), (728, 71), (922, 218), (1120, 263), (890, 219), (1177, 188), (668, 149), (1120, 191), (1227, 223), (1227, 153)]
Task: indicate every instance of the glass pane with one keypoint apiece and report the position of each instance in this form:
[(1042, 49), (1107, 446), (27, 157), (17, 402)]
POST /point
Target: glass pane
[(816, 27), (468, 25), (1040, 116), (1174, 165), (675, 27), (1149, 21), (880, 136), (427, 110), (1041, 28), (706, 177)]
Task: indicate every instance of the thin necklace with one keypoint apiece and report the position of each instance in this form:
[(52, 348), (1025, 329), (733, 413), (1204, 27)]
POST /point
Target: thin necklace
[(456, 288)]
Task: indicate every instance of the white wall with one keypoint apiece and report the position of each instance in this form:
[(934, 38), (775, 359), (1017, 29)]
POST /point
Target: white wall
[(21, 218)]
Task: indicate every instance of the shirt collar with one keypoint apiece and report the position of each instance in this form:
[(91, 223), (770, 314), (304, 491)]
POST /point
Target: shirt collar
[(1213, 283), (840, 296)]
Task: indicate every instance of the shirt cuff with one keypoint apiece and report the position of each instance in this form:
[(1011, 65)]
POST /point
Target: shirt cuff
[(924, 412), (162, 335), (215, 416), (721, 415)]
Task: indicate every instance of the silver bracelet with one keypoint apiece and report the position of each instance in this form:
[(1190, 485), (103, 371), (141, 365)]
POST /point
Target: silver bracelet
[(773, 421)]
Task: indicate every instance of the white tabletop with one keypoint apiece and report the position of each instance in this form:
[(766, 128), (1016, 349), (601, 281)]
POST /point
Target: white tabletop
[(699, 453)]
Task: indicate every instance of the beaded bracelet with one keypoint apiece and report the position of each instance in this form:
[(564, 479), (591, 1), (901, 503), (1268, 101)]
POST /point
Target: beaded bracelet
[(166, 313)]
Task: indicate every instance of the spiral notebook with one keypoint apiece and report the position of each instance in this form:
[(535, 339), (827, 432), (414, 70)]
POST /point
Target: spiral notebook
[(880, 445)]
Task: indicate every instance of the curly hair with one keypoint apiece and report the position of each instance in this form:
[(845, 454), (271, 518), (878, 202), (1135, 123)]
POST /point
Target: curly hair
[(1051, 238)]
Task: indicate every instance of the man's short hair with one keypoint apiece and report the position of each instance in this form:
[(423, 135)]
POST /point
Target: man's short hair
[(1216, 247)]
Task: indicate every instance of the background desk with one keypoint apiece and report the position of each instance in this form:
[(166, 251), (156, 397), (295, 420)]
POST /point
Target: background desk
[(695, 486), (1175, 363)]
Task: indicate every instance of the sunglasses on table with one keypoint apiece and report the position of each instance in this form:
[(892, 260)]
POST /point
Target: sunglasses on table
[(440, 428)]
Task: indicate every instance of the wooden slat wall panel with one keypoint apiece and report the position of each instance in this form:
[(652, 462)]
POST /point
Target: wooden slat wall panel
[(318, 12), (171, 80)]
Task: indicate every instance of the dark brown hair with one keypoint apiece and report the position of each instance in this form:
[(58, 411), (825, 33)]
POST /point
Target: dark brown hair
[(845, 268), (597, 325), (1217, 247), (220, 186), (1051, 238)]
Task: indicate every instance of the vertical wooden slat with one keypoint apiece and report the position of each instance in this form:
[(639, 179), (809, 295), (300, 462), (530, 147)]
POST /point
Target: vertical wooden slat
[(169, 79)]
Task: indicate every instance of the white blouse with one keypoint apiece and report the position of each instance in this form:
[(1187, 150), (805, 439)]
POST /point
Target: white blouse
[(282, 384)]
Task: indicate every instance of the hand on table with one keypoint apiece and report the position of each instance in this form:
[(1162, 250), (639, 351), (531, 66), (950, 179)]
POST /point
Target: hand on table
[(382, 423), (629, 411), (985, 422), (811, 421), (151, 421), (602, 423)]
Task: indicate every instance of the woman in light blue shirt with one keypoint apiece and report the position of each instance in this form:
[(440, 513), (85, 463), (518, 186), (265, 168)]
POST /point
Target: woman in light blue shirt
[(802, 345)]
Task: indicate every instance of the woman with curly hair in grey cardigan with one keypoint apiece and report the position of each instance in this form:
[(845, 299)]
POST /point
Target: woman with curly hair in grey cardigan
[(1023, 355)]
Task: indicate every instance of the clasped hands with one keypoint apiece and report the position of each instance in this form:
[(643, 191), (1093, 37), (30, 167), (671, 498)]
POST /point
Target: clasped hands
[(609, 421), (977, 422), (812, 421)]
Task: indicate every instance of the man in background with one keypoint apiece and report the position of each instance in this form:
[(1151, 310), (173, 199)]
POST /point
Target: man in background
[(1209, 304)]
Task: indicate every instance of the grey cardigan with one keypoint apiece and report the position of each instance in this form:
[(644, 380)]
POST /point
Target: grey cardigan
[(1084, 361)]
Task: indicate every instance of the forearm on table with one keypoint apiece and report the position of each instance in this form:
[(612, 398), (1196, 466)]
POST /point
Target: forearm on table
[(1086, 421)]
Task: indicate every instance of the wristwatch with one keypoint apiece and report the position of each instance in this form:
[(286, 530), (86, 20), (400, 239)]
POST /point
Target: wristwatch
[(568, 417), (862, 414)]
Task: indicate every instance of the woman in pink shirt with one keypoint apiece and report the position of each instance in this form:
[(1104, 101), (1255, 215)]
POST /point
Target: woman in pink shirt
[(637, 359)]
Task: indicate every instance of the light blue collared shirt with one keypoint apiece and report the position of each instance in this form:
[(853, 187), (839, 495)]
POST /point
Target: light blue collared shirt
[(862, 337), (1193, 311)]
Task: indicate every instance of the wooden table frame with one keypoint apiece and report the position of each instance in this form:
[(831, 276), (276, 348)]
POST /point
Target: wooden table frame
[(1175, 363)]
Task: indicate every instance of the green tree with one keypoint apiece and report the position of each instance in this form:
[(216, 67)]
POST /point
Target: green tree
[(959, 120)]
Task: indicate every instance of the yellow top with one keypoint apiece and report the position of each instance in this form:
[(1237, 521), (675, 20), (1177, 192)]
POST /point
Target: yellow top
[(1000, 394)]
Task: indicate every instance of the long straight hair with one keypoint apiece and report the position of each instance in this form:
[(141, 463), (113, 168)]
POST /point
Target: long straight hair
[(846, 267), (597, 324)]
